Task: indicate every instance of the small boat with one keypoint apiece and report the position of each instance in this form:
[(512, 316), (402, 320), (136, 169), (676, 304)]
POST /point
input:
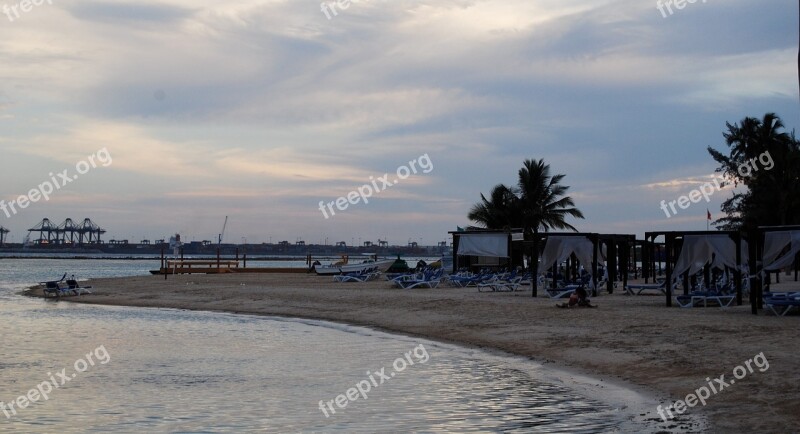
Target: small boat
[(331, 269), (382, 266), (344, 266), (327, 270)]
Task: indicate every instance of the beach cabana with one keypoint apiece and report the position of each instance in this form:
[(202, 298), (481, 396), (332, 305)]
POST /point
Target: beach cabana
[(487, 248), (559, 247), (774, 248), (780, 249), (719, 251), (687, 253)]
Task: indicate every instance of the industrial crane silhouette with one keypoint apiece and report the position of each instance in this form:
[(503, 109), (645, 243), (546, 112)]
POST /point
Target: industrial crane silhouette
[(222, 234)]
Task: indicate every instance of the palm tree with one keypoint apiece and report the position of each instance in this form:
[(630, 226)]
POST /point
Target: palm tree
[(544, 203), (770, 197), (500, 211), (537, 202)]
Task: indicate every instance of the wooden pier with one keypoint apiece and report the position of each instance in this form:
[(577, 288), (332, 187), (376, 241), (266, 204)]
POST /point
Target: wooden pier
[(217, 266), (192, 266)]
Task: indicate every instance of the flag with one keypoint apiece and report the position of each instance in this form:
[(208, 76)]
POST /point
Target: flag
[(709, 214)]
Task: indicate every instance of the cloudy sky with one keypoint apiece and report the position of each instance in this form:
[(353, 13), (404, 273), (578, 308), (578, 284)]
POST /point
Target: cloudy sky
[(260, 109)]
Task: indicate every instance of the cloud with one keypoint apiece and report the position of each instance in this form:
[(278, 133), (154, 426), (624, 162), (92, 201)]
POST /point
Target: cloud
[(265, 107), (130, 12)]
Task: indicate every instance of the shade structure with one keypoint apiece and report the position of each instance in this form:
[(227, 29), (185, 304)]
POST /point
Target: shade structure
[(700, 250), (559, 248), (491, 245), (774, 245)]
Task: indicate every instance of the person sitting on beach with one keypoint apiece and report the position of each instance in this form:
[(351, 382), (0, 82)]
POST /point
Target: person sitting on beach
[(579, 298)]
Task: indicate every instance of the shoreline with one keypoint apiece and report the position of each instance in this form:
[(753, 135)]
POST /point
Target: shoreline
[(631, 401), (614, 344)]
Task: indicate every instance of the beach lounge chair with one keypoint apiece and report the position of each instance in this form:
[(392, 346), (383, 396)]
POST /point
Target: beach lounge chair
[(429, 279), (54, 289), (463, 281), (563, 292), (396, 282), (698, 298), (503, 285), (781, 303), (76, 288), (358, 276), (406, 277), (639, 289), (500, 283), (392, 276)]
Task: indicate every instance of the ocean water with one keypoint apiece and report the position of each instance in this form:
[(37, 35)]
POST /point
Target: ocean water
[(120, 369)]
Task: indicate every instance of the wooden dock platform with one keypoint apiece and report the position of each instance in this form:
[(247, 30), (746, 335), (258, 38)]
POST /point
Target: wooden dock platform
[(195, 266)]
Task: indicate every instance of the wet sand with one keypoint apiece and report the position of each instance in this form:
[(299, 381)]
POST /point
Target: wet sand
[(631, 340)]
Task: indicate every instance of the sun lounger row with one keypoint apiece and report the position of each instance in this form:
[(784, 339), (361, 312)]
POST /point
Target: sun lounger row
[(428, 278), (488, 280), (505, 282), (466, 279)]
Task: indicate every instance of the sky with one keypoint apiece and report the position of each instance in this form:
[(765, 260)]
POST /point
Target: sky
[(260, 110)]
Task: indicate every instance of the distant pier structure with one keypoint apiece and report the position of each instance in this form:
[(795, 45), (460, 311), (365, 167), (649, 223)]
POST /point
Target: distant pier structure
[(3, 232), (68, 232)]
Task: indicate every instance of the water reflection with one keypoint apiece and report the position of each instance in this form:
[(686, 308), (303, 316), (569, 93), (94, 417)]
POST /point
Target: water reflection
[(179, 371)]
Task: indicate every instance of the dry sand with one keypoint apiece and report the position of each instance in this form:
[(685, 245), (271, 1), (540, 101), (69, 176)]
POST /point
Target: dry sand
[(633, 340)]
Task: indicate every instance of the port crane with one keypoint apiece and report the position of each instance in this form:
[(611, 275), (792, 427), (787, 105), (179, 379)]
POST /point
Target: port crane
[(222, 234)]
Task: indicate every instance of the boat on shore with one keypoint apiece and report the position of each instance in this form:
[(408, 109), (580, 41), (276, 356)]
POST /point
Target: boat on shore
[(344, 266)]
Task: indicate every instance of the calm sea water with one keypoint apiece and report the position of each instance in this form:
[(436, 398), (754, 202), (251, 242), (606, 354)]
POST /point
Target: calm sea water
[(163, 370)]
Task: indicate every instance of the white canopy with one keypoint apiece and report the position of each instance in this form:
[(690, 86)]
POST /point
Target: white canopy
[(697, 251), (492, 245), (558, 248), (774, 243)]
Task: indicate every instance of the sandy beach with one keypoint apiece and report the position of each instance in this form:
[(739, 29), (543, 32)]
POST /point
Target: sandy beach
[(632, 340)]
